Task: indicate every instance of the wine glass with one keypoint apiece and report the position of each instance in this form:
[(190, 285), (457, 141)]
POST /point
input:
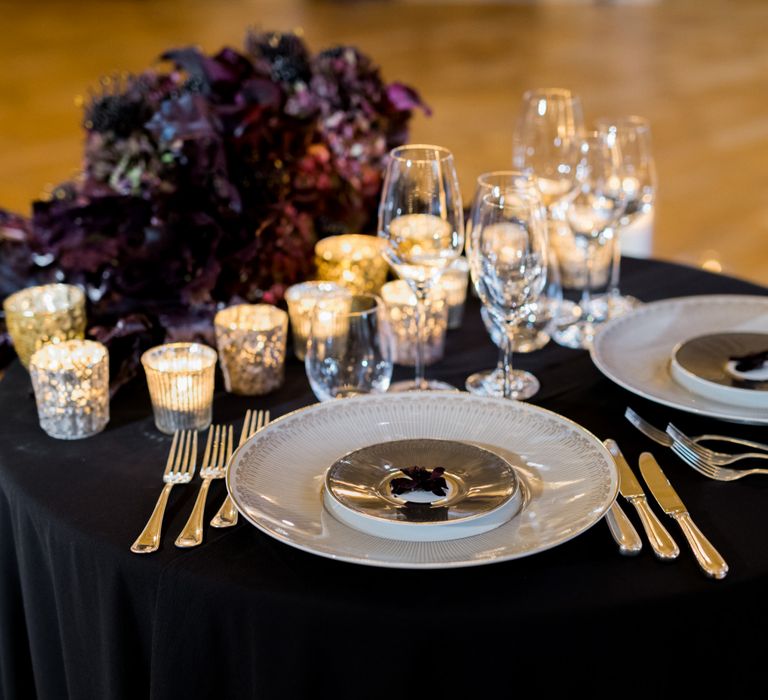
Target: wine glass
[(422, 221), (507, 251), (633, 136), (592, 214), (349, 349)]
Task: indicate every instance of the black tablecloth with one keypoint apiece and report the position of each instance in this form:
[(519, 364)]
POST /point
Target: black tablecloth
[(246, 616)]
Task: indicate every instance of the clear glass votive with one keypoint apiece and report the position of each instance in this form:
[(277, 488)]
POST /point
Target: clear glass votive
[(180, 377), (71, 383), (454, 283), (301, 299), (353, 260), (50, 313), (251, 340), (400, 303)]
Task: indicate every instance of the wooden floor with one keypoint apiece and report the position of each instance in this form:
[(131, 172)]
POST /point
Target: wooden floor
[(697, 68)]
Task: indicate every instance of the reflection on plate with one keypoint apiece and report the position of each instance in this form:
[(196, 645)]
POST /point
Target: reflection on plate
[(635, 350), (717, 367), (481, 490), (277, 477)]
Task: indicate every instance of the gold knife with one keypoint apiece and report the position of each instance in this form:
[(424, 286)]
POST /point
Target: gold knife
[(623, 530), (664, 547), (708, 557)]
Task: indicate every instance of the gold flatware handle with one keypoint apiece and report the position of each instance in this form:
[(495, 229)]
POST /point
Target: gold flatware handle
[(662, 544), (708, 557), (227, 514), (623, 531), (149, 539), (192, 534)]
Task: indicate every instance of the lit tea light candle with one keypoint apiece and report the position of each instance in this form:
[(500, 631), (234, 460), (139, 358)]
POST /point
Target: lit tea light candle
[(454, 283), (251, 340), (50, 313), (302, 298), (180, 377), (400, 304), (352, 260), (71, 383)]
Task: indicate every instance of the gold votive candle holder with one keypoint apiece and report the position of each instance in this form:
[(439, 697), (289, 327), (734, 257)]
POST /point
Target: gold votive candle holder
[(180, 377), (49, 313), (454, 282), (71, 383), (353, 260), (400, 303), (302, 298), (251, 340)]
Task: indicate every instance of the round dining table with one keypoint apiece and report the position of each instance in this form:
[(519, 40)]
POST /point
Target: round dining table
[(244, 615)]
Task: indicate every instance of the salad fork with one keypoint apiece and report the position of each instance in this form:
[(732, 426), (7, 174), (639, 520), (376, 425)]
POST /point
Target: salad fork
[(254, 421), (218, 450), (713, 471), (179, 469), (707, 455)]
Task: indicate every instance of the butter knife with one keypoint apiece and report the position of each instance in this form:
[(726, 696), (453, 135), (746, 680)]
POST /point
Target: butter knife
[(664, 547), (623, 530), (708, 557)]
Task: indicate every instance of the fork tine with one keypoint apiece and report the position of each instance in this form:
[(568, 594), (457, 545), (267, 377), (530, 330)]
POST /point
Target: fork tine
[(171, 453), (256, 421), (645, 427), (229, 446), (193, 456), (187, 451), (245, 432), (207, 453), (681, 437), (679, 450)]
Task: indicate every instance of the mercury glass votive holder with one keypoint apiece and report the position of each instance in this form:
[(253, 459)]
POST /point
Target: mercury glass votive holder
[(50, 313), (454, 282), (400, 303), (353, 260), (71, 383), (302, 298), (251, 340), (180, 377)]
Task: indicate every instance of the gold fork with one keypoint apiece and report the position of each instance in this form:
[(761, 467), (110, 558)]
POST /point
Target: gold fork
[(254, 421), (218, 450), (179, 469)]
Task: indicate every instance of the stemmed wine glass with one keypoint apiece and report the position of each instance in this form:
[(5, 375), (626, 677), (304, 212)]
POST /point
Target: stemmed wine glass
[(592, 213), (507, 251), (633, 137), (421, 219)]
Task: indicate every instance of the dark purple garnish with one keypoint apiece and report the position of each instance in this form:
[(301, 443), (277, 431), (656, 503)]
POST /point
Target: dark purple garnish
[(420, 479), (747, 363)]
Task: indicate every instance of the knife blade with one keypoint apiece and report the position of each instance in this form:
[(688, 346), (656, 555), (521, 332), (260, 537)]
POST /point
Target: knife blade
[(708, 557), (664, 547)]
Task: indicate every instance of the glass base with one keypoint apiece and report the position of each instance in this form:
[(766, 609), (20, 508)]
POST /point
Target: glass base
[(427, 385), (621, 304), (491, 383), (578, 336)]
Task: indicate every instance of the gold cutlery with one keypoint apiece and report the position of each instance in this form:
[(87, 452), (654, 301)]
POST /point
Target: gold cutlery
[(254, 421), (623, 530), (179, 469), (218, 450), (664, 547), (708, 557)]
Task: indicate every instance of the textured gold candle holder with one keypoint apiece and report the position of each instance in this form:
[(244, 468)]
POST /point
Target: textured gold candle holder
[(71, 383), (251, 340), (50, 313), (180, 377), (400, 303), (301, 299), (454, 282), (353, 260)]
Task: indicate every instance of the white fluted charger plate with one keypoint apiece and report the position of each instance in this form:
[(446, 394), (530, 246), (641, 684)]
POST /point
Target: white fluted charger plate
[(635, 350), (276, 478)]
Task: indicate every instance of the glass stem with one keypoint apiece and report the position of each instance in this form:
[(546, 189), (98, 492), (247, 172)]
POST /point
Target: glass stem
[(420, 313), (614, 292), (586, 293), (508, 344)]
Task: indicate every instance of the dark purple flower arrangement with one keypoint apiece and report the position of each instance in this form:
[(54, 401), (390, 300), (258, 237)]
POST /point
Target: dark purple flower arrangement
[(208, 185)]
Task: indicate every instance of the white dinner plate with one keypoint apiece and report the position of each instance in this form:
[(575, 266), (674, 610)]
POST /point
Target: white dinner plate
[(635, 350), (276, 478)]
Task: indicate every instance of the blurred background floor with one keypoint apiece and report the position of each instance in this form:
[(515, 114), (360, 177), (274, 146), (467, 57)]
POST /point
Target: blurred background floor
[(698, 69)]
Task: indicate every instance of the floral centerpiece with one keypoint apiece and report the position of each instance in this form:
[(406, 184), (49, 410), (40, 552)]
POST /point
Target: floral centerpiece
[(208, 184)]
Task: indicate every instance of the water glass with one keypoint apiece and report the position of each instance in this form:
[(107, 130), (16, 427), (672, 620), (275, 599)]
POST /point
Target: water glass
[(349, 352)]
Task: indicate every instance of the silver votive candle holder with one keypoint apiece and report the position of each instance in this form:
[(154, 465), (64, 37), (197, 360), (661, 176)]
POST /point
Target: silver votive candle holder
[(353, 260), (71, 383), (302, 298), (251, 340), (454, 282), (49, 313), (400, 303), (180, 377)]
